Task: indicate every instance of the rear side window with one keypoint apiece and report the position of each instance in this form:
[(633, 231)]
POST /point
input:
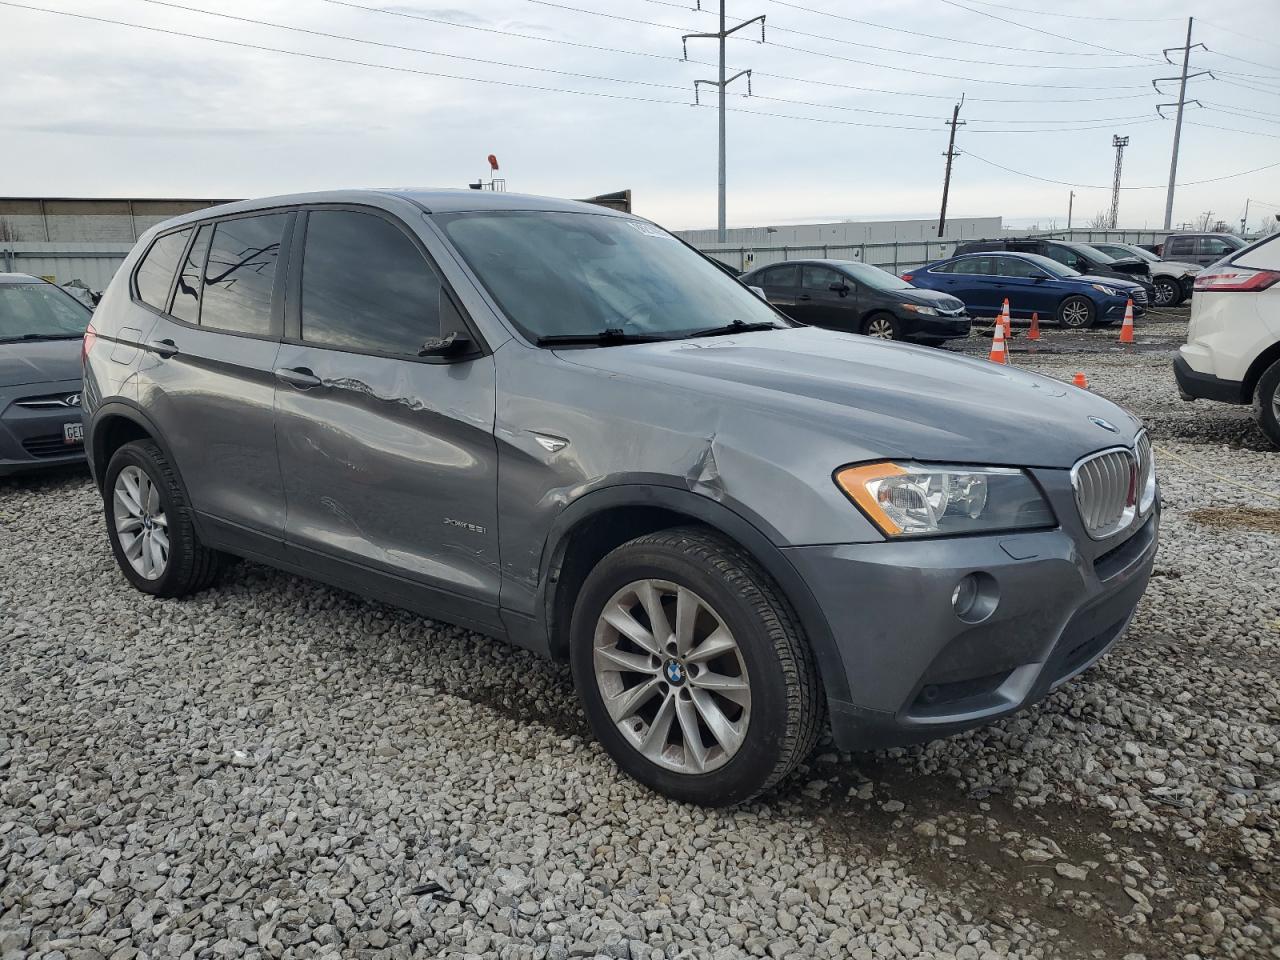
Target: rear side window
[(366, 286), (786, 276), (975, 266), (1178, 245), (240, 274), (186, 296), (155, 272)]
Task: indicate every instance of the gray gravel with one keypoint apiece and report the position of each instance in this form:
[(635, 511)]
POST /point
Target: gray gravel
[(276, 769)]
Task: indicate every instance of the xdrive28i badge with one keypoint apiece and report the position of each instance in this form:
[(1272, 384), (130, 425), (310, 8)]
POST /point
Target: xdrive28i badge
[(1104, 424)]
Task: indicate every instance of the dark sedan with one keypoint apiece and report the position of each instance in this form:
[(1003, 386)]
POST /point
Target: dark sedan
[(41, 328), (860, 298)]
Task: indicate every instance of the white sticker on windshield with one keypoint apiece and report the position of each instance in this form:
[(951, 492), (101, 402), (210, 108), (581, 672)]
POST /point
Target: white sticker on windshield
[(649, 230)]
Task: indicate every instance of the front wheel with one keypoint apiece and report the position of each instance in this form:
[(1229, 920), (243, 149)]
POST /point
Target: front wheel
[(1168, 292), (881, 326), (692, 668), (1266, 403), (1076, 313)]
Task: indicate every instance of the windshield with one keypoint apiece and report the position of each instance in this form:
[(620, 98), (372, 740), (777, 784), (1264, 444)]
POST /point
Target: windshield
[(38, 310), (559, 274), (1090, 253), (875, 277), (1051, 266), (1141, 254)]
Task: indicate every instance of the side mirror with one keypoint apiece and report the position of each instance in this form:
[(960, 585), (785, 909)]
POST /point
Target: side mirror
[(455, 346), (840, 288), (1040, 277)]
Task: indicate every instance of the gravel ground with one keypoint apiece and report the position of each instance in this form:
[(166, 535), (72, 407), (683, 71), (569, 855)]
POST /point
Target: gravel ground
[(276, 769)]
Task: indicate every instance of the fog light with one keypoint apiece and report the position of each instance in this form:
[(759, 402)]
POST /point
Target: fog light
[(975, 597)]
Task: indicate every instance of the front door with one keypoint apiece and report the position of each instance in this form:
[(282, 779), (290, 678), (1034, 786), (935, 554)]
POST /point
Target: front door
[(388, 458), (208, 378), (820, 306)]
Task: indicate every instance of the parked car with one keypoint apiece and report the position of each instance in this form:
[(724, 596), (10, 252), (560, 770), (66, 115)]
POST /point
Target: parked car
[(1078, 256), (1232, 353), (41, 329), (860, 298), (556, 424), (1172, 279), (1201, 248), (1032, 284)]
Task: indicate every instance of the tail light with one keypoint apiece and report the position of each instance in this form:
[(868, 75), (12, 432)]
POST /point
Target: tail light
[(90, 338), (1227, 277), (908, 277)]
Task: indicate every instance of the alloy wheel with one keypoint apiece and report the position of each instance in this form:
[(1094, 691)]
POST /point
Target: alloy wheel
[(1166, 293), (672, 676), (880, 328), (1076, 314), (141, 524)]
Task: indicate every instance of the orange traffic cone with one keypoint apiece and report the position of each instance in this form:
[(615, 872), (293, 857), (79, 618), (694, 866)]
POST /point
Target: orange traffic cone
[(1079, 381), (1034, 332), (999, 354), (1126, 328), (1004, 319)]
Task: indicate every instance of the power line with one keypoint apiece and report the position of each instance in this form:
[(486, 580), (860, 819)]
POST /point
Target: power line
[(1047, 33), (1100, 186), (591, 76), (1072, 16), (1247, 36), (935, 36), (1213, 126)]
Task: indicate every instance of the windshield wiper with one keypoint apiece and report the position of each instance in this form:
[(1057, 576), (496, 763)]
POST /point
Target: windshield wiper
[(735, 326), (604, 338), (42, 336)]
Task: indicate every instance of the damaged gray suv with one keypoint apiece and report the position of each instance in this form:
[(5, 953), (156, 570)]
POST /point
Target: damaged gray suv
[(560, 426)]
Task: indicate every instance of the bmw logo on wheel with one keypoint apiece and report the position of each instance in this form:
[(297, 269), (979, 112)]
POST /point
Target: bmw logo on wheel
[(675, 672)]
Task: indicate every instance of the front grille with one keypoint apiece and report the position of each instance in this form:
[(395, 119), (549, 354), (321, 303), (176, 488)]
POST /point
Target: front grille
[(1106, 487), (1146, 468), (48, 445), (50, 401), (1140, 296)]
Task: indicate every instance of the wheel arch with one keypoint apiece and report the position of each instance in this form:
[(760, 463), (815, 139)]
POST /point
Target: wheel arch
[(116, 423), (605, 519), (1261, 364)]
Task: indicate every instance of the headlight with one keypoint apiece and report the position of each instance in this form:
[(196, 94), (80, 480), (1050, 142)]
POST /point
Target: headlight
[(913, 499), (1109, 291), (916, 308)]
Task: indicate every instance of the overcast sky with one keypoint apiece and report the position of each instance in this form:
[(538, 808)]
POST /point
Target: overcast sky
[(96, 109)]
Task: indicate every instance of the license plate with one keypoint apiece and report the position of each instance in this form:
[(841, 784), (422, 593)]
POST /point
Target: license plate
[(73, 433)]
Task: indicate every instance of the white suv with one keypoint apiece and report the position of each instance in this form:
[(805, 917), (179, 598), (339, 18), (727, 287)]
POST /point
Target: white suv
[(1232, 353)]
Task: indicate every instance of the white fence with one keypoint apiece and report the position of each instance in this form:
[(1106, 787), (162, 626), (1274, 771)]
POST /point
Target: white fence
[(94, 264)]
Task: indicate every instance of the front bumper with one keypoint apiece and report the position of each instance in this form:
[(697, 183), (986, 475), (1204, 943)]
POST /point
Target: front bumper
[(1194, 385), (915, 671), (934, 328), (32, 438)]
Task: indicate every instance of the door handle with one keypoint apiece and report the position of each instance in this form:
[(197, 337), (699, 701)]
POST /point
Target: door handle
[(164, 348), (300, 377)]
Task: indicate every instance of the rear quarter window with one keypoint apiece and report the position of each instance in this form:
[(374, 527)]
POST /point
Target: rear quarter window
[(154, 276)]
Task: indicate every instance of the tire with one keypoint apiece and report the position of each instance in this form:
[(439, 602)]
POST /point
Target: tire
[(1076, 313), (773, 725), (1168, 292), (186, 566), (881, 326), (1266, 403)]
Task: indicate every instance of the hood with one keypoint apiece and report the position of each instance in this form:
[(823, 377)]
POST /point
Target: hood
[(39, 361), (929, 298), (876, 399), (1120, 283)]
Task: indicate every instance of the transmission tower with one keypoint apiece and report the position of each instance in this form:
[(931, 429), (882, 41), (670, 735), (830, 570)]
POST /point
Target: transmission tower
[(1119, 143), (1186, 49)]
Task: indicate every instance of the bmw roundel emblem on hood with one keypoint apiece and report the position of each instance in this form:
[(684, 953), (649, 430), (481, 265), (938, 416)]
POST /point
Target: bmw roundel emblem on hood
[(1103, 424)]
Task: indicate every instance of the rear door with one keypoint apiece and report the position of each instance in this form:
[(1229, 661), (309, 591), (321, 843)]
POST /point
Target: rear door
[(388, 457), (974, 282), (207, 379), (820, 306), (1180, 248), (781, 285)]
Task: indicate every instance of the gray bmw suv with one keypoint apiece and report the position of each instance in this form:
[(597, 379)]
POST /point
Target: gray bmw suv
[(560, 426)]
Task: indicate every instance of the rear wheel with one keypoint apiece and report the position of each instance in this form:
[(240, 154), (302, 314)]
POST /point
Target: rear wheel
[(881, 326), (1266, 403), (692, 669), (1076, 313), (150, 527), (1168, 292)]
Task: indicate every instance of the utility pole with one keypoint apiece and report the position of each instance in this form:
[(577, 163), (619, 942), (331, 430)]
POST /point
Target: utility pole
[(1071, 202), (1244, 221), (1119, 143), (721, 85), (954, 122), (1182, 102)]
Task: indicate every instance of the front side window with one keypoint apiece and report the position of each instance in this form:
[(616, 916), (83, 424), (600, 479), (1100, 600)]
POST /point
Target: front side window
[(1013, 267), (186, 295), (1066, 257), (1214, 246), (820, 278), (557, 273), (155, 272), (240, 273), (40, 311), (365, 285)]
